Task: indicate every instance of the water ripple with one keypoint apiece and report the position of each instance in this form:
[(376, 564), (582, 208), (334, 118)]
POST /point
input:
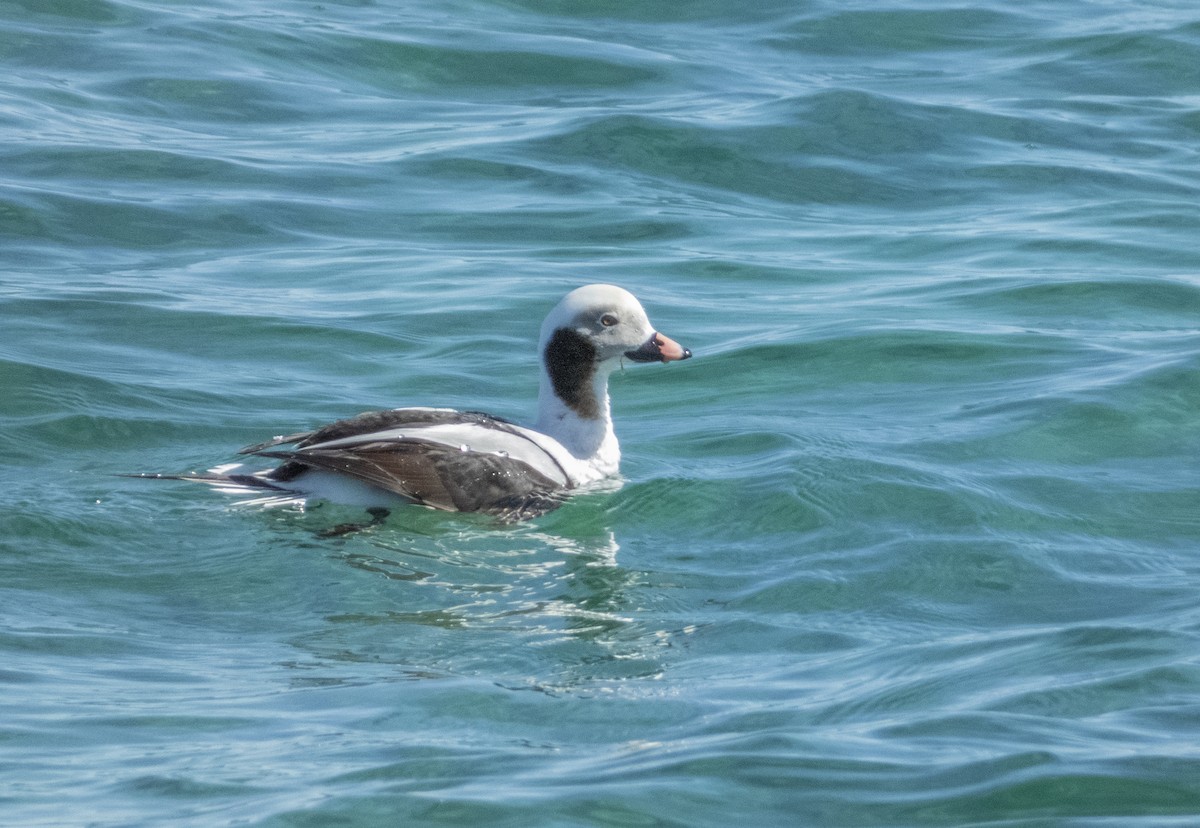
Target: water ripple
[(910, 541)]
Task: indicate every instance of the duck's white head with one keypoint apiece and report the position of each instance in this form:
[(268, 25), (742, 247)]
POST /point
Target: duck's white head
[(582, 341)]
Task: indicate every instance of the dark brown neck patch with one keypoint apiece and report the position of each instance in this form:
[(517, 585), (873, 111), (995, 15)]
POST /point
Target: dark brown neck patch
[(571, 363)]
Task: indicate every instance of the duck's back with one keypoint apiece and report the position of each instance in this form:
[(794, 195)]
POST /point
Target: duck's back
[(454, 460)]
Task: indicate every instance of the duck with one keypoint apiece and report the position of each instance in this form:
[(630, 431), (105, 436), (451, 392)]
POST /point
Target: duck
[(470, 461)]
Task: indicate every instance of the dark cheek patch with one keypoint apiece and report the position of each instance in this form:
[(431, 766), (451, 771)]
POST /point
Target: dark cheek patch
[(571, 364)]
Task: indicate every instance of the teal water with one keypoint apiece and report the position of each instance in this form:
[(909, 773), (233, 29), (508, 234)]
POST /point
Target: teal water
[(913, 540)]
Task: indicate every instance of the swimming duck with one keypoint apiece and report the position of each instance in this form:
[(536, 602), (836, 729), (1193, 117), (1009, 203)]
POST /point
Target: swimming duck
[(467, 461)]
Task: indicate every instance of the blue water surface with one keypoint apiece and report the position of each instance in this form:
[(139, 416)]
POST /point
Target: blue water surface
[(913, 540)]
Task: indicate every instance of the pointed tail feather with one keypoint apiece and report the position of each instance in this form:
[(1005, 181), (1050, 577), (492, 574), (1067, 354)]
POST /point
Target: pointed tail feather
[(213, 478)]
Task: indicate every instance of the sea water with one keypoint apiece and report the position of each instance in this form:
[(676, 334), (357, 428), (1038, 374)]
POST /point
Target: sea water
[(914, 539)]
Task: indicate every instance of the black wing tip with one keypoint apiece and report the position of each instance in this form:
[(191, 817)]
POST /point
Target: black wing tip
[(274, 455)]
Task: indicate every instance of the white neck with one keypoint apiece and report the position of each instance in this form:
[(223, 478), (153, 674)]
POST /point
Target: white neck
[(589, 439)]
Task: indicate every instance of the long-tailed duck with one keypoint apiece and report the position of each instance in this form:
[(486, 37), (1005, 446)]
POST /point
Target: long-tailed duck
[(467, 461)]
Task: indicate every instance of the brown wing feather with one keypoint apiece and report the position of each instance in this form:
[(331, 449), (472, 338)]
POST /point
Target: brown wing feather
[(403, 468), (437, 476)]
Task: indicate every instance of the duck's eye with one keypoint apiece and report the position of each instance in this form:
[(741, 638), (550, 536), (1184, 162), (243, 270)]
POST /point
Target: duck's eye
[(608, 320)]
